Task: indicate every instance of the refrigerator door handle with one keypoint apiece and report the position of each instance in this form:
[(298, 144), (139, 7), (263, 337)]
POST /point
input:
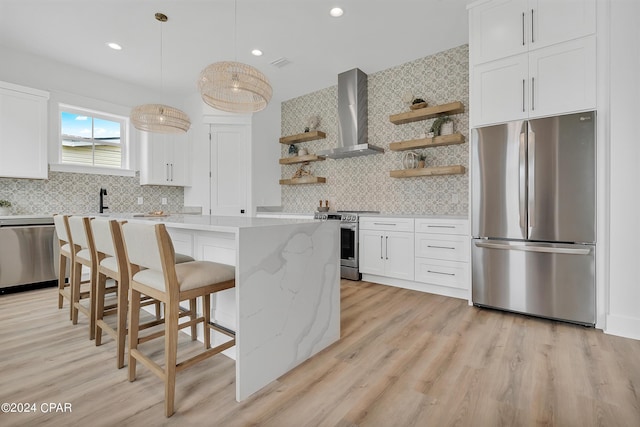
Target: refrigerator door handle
[(532, 178), (526, 248), (522, 184)]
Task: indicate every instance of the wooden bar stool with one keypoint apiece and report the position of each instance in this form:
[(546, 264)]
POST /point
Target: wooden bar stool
[(112, 264), (83, 255), (152, 271), (64, 259)]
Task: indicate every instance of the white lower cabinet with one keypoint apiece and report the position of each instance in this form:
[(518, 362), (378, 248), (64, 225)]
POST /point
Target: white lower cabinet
[(442, 253), (423, 254), (386, 247)]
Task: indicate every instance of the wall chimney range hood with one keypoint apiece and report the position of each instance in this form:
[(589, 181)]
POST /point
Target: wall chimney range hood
[(353, 119)]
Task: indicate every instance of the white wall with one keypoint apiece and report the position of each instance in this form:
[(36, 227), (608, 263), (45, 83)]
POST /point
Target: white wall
[(623, 317)]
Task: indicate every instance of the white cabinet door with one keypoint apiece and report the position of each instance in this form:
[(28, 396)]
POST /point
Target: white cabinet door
[(502, 28), (177, 156), (399, 258), (230, 170), (500, 91), (556, 21), (372, 252), (562, 78), (497, 30), (23, 132), (164, 159)]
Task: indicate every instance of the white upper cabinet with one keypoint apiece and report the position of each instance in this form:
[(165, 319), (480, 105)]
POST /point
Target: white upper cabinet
[(531, 59), (164, 159), (23, 132), (502, 28)]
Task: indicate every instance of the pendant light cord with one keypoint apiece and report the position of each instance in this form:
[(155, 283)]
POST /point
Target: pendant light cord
[(235, 30)]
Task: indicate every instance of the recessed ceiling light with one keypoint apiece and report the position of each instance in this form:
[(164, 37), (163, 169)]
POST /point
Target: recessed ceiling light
[(256, 52), (114, 46), (336, 12)]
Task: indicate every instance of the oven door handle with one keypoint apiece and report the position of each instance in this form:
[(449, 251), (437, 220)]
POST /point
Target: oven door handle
[(351, 226)]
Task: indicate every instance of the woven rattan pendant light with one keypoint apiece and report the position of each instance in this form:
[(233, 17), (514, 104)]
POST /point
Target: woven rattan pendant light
[(159, 118), (233, 86)]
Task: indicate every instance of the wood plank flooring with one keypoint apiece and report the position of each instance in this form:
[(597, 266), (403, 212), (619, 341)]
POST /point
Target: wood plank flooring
[(405, 359)]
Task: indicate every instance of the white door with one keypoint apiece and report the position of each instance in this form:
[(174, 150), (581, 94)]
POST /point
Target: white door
[(23, 135), (230, 161), (399, 255), (177, 152), (563, 78), (500, 91), (371, 252), (556, 21), (497, 30)]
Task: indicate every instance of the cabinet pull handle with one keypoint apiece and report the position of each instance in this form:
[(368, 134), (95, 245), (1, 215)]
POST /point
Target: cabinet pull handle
[(522, 28), (381, 247), (532, 41), (384, 223), (523, 106), (386, 248), (441, 226), (533, 93), (167, 172), (440, 272), (171, 172), (441, 247)]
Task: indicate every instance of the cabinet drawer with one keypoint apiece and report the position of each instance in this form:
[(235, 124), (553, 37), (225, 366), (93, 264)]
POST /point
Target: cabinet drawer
[(443, 273), (442, 226), (386, 223), (442, 246)]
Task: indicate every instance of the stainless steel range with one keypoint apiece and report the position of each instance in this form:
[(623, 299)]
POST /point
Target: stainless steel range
[(349, 230)]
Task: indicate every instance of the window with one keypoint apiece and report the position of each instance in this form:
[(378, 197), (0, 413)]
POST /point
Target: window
[(92, 139)]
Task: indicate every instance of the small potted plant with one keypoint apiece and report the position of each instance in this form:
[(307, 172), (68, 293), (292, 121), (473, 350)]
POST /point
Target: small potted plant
[(418, 103), (4, 207), (436, 127), (422, 158)]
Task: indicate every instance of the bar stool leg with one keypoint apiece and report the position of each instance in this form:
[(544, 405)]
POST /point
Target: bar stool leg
[(123, 293), (193, 308), (206, 308), (134, 323), (99, 314), (171, 353)]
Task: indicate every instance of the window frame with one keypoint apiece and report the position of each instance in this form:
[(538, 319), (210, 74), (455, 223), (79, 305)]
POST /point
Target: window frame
[(126, 147)]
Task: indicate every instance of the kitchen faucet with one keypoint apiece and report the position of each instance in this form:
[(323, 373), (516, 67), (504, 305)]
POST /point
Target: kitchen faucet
[(103, 192)]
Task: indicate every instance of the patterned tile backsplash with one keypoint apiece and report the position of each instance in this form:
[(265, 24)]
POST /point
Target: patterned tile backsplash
[(363, 183), (79, 193)]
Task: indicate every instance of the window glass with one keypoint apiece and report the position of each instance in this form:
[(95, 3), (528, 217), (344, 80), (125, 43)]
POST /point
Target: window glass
[(91, 138)]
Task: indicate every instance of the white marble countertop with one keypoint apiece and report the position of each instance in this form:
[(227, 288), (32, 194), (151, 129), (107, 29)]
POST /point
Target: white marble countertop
[(207, 222)]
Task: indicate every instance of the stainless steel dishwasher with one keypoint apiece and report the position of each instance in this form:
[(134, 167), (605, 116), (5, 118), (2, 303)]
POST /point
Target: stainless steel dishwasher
[(27, 252)]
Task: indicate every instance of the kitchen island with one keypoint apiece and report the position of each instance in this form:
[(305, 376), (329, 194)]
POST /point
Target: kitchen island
[(286, 304)]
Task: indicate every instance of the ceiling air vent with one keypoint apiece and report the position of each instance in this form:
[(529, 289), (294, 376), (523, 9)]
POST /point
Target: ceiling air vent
[(280, 62)]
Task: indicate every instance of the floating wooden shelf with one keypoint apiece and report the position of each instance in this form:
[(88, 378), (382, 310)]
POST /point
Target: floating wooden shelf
[(303, 180), (302, 137), (300, 159), (427, 113), (436, 170), (456, 138)]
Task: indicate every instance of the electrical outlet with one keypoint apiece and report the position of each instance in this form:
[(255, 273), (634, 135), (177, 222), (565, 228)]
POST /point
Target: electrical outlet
[(454, 198), (164, 200), (139, 200)]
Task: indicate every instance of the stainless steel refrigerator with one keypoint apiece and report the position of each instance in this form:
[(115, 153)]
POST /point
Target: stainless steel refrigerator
[(533, 203)]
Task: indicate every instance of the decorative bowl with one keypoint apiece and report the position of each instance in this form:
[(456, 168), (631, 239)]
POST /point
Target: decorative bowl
[(418, 106)]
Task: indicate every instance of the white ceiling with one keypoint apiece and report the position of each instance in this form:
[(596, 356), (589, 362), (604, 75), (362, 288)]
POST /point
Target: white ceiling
[(372, 35)]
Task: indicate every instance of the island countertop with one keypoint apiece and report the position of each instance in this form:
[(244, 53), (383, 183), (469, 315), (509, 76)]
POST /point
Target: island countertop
[(207, 222)]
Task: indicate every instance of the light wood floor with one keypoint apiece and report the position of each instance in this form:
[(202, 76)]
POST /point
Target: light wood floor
[(405, 359)]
